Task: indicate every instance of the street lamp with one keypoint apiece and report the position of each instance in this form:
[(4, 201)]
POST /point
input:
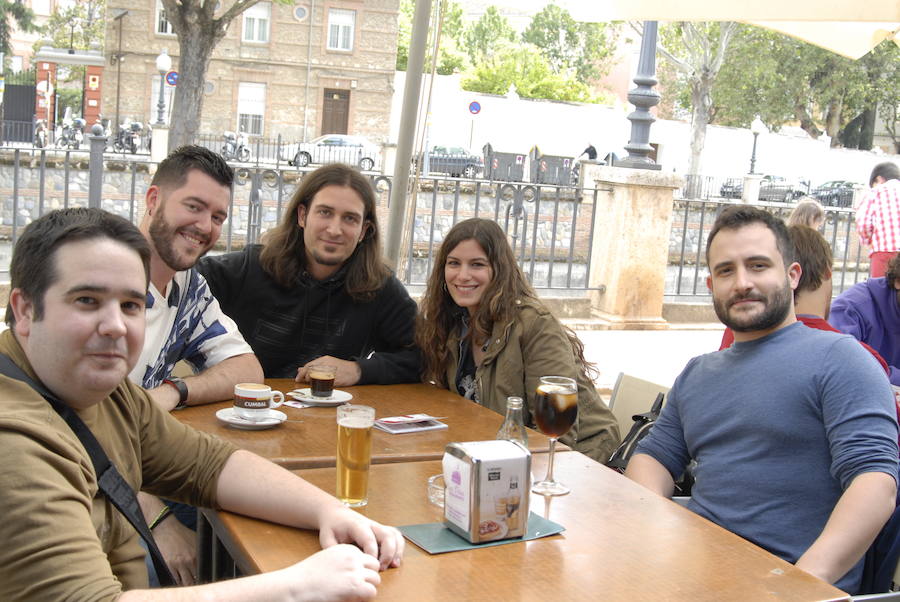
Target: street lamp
[(756, 128), (163, 65)]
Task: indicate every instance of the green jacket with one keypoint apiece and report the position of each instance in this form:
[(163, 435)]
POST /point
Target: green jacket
[(532, 345)]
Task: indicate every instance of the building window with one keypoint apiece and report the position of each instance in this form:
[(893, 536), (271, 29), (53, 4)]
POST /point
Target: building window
[(341, 24), (251, 108), (256, 22), (162, 24), (15, 63), (168, 94)]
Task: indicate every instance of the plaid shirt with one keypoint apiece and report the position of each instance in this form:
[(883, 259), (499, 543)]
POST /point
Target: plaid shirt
[(878, 218)]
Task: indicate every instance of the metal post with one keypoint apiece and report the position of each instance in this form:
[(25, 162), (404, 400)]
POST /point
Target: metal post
[(95, 173), (416, 62), (643, 97), (161, 105), (753, 154), (118, 56)]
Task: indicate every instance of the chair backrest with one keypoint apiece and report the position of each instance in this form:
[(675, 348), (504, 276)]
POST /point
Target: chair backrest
[(632, 396)]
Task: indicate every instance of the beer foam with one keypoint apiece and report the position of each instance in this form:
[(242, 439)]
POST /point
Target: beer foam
[(355, 422)]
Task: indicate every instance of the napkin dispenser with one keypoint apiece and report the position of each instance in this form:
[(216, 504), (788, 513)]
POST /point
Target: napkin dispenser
[(488, 484)]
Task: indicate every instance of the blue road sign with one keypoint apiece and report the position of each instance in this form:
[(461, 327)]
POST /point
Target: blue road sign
[(172, 78), (474, 107)]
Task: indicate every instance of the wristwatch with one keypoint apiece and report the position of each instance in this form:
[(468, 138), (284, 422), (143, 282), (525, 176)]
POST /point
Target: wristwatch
[(182, 389)]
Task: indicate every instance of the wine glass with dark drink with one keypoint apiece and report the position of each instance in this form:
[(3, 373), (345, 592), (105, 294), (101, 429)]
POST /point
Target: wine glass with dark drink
[(555, 411)]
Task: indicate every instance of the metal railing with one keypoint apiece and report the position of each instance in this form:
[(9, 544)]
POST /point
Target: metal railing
[(550, 227), (692, 221)]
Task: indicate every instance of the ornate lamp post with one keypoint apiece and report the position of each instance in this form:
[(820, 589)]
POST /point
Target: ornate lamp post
[(756, 128), (163, 65)]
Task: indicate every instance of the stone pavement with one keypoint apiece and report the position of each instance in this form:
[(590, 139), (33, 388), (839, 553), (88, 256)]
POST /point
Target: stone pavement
[(654, 355)]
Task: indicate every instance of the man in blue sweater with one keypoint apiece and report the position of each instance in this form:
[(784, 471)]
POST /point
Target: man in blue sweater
[(793, 429)]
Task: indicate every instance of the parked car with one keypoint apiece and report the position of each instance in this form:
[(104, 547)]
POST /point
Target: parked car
[(454, 160), (332, 148), (771, 189), (836, 193)]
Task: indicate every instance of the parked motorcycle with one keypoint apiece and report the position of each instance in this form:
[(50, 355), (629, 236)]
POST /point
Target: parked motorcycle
[(41, 134), (70, 134), (236, 147), (128, 138)]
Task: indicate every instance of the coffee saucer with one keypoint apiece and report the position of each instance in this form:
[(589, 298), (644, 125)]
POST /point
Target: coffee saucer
[(273, 418), (305, 395)]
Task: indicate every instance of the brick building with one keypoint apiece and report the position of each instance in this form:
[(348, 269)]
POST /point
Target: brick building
[(326, 67)]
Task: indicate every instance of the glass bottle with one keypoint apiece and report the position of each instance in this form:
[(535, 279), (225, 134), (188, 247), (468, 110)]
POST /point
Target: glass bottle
[(513, 427)]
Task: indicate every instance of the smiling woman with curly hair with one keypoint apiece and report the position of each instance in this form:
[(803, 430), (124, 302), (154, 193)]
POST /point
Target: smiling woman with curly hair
[(485, 334)]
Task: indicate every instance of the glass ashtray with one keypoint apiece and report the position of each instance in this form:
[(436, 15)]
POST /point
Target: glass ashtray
[(436, 490)]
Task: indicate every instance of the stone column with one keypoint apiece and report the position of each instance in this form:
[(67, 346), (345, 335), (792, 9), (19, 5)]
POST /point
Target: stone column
[(750, 193), (632, 222), (159, 145)]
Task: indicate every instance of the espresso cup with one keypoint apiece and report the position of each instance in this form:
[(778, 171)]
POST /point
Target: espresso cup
[(321, 379), (253, 400)]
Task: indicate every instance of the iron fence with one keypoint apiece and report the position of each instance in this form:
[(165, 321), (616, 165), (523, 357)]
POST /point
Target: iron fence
[(692, 221), (550, 227)]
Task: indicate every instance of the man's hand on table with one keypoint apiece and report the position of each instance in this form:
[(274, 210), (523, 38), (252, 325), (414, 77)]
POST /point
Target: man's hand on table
[(338, 525), (348, 373), (341, 572)]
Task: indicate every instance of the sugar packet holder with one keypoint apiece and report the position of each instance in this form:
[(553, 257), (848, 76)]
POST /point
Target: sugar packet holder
[(409, 423)]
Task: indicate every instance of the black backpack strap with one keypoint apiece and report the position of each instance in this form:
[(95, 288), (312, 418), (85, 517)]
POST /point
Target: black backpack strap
[(111, 483)]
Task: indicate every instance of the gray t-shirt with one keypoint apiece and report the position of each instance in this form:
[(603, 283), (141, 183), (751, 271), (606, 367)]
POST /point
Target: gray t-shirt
[(779, 428)]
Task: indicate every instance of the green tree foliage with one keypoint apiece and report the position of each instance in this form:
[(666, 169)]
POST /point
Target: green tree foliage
[(482, 38), (525, 67), (451, 57), (586, 49), (785, 80), (13, 12), (886, 89)]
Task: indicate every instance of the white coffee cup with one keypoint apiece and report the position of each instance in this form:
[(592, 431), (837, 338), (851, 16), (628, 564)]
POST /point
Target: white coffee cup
[(252, 401)]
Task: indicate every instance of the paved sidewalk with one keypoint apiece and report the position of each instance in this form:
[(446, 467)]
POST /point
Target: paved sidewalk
[(654, 355)]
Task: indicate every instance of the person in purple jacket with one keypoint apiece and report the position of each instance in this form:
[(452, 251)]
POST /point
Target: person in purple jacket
[(870, 311)]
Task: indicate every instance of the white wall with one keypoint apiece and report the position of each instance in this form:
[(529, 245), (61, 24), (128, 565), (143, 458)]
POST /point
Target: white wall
[(558, 128)]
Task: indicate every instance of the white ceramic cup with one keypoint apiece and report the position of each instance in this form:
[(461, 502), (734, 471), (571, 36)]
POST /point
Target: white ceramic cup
[(252, 401)]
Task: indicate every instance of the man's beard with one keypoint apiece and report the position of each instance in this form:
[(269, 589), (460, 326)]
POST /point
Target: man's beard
[(163, 237), (777, 307)]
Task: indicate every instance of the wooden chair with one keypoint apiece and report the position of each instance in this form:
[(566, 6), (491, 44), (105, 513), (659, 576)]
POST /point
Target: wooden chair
[(632, 396)]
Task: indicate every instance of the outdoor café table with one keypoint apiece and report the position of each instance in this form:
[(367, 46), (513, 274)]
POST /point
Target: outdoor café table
[(308, 439), (621, 542)]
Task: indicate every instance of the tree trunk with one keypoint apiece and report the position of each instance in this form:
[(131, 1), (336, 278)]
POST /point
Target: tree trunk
[(187, 106), (807, 123), (833, 122), (198, 33), (701, 104)]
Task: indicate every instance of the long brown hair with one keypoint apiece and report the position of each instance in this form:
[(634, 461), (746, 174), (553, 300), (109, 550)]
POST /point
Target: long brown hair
[(438, 315), (283, 255)]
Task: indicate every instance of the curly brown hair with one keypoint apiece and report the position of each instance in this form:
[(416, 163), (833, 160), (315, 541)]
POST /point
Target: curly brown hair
[(438, 315)]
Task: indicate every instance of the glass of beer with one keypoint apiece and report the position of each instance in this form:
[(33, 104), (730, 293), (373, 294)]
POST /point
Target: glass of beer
[(555, 411), (354, 451)]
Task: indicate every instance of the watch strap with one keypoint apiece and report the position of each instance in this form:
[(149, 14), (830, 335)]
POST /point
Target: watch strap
[(182, 389)]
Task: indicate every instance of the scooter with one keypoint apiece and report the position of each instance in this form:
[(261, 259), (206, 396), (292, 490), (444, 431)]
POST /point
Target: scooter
[(236, 147), (70, 134), (128, 137)]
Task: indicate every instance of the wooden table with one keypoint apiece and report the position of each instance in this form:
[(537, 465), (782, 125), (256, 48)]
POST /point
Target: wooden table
[(622, 543), (309, 438)]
